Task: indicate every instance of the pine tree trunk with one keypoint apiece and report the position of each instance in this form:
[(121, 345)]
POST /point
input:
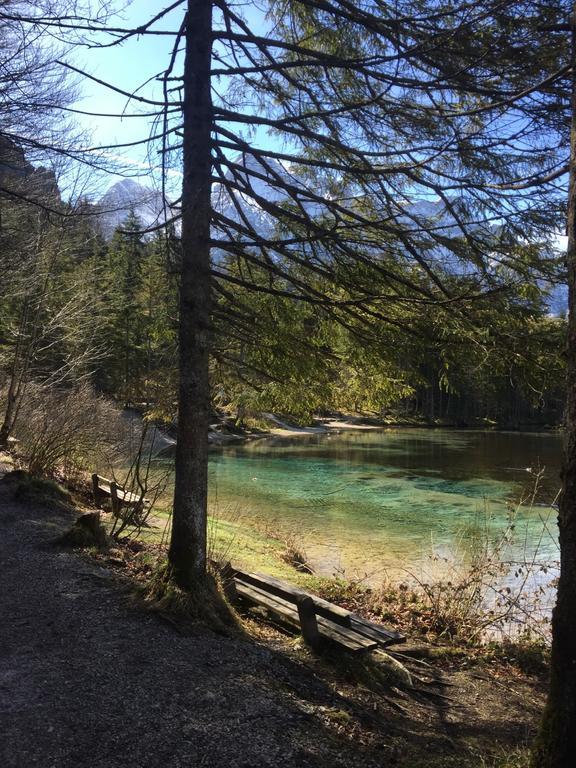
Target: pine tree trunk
[(556, 743), (10, 409), (8, 422), (187, 554)]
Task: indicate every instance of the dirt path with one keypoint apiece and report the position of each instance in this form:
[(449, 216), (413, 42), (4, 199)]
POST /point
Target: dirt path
[(87, 680)]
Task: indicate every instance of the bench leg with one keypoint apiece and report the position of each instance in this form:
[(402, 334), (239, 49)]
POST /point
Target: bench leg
[(96, 491), (308, 622), (114, 499), (228, 583)]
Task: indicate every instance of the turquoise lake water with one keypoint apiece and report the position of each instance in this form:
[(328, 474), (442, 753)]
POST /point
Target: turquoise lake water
[(367, 503)]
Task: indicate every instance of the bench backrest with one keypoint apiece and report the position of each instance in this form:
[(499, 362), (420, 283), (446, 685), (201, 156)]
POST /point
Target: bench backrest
[(294, 595)]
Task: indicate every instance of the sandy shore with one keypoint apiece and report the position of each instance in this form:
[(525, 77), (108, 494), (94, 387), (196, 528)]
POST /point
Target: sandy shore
[(336, 424), (323, 427)]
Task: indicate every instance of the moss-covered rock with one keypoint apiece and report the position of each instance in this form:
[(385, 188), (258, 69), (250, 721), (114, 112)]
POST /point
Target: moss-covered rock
[(87, 532)]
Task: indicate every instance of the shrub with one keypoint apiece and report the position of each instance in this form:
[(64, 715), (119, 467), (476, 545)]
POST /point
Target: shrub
[(34, 490), (144, 481), (67, 430)]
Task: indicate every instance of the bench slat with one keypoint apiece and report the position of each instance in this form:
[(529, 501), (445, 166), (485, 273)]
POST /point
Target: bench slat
[(383, 636), (271, 585), (104, 485), (343, 636), (287, 591), (268, 601), (347, 637)]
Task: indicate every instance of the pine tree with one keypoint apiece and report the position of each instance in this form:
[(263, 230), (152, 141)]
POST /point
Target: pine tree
[(124, 336), (376, 111)]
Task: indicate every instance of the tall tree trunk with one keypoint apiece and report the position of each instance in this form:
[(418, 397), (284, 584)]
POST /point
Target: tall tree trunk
[(8, 422), (20, 361), (556, 743), (11, 408), (187, 554)]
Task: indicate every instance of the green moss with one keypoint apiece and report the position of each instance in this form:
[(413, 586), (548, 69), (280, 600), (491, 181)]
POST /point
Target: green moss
[(544, 748), (339, 716), (186, 609), (33, 490)]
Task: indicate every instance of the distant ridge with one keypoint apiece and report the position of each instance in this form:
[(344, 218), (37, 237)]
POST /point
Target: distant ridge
[(242, 207)]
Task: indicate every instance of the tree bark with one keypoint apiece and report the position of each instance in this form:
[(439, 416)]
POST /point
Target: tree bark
[(556, 743), (8, 422), (187, 553), (16, 380)]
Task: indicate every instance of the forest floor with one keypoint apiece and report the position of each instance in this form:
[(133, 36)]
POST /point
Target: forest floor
[(89, 677)]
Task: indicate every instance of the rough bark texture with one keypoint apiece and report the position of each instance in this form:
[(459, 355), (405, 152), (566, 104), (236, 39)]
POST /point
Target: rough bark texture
[(11, 408), (6, 427), (187, 553), (556, 743)]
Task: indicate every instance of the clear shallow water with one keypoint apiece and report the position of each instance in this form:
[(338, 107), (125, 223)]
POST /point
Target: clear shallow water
[(365, 503)]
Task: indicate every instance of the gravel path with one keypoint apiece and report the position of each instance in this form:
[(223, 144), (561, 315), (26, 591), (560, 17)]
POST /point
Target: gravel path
[(86, 679)]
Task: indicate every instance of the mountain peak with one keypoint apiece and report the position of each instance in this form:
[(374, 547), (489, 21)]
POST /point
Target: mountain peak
[(125, 196)]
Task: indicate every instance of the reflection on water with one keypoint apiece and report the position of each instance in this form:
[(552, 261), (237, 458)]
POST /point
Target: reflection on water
[(366, 502)]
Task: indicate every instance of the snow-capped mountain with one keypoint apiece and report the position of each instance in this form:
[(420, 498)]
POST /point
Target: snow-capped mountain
[(238, 200), (557, 300), (241, 202), (250, 187), (126, 196)]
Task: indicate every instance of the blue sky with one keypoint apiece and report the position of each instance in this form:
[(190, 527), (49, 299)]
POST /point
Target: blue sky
[(129, 66)]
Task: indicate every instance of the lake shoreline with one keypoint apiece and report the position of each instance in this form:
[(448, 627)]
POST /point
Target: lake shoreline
[(372, 503), (224, 433)]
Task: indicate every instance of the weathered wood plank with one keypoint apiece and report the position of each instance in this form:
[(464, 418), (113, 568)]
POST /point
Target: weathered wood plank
[(265, 599), (228, 584), (288, 591), (343, 636), (383, 636), (328, 610), (351, 640), (114, 498), (102, 485), (96, 490)]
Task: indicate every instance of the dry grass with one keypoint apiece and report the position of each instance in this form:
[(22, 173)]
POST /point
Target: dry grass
[(294, 555), (63, 432)]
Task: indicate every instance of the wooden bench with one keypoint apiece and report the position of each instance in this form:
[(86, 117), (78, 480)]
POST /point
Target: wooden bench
[(104, 488), (316, 618)]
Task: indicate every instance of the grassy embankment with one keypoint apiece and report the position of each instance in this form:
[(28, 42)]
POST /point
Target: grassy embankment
[(450, 610)]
